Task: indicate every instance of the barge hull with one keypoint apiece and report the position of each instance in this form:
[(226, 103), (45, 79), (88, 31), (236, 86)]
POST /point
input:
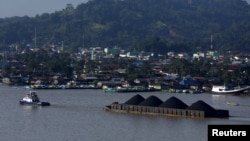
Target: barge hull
[(161, 111)]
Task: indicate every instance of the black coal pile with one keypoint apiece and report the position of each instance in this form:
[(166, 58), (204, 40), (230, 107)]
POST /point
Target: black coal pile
[(174, 102), (152, 101), (202, 106), (135, 100)]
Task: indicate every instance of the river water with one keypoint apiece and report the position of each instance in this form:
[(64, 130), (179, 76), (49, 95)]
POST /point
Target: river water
[(78, 115)]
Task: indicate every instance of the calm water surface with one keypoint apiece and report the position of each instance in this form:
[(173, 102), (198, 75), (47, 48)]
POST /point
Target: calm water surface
[(77, 115)]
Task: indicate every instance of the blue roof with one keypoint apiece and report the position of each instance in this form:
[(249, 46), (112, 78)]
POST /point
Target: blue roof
[(138, 63), (2, 63), (171, 77), (188, 81)]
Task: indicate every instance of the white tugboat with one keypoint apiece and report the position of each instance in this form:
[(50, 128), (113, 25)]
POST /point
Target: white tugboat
[(31, 98)]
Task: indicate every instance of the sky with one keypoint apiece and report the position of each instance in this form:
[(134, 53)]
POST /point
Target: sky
[(11, 8), (31, 8)]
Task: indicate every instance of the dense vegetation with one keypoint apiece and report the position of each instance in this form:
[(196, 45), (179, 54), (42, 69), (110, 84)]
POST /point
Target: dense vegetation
[(162, 25)]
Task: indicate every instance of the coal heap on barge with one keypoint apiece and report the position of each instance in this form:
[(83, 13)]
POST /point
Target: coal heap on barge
[(171, 107)]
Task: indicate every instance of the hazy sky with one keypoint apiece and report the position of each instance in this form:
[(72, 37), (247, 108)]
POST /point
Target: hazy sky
[(10, 8)]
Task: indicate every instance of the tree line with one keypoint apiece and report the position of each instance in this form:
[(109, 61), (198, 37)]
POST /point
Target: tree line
[(179, 25)]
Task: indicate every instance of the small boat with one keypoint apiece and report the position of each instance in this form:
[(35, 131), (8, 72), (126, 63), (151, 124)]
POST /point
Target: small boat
[(31, 98), (227, 90), (231, 103)]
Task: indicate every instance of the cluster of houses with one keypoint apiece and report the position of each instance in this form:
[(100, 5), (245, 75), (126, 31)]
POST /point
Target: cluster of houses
[(165, 81)]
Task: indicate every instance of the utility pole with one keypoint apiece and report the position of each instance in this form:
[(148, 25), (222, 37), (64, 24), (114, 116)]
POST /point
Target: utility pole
[(83, 41)]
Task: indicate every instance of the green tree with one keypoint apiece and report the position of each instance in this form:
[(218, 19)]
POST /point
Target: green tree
[(181, 67)]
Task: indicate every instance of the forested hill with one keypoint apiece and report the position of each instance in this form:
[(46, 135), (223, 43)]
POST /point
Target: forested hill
[(142, 24)]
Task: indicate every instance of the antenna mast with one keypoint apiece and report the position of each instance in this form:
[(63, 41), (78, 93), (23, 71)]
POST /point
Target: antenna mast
[(211, 46), (35, 37)]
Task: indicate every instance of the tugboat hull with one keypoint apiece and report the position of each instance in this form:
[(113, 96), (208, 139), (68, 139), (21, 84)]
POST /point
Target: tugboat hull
[(34, 103)]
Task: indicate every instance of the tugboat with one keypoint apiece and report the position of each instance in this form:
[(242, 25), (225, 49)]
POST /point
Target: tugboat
[(31, 98)]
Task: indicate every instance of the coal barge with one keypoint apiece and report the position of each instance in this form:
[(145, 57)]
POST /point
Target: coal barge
[(171, 107)]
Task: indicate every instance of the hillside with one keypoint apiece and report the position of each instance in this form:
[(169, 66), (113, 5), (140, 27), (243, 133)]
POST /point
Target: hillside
[(141, 24)]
